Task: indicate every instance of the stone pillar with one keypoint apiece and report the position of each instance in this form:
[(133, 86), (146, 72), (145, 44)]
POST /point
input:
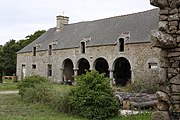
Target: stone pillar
[(111, 76), (61, 75), (75, 71), (168, 39)]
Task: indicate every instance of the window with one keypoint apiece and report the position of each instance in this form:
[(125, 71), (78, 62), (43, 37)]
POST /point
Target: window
[(153, 65), (34, 51), (83, 47), (33, 66), (50, 49), (121, 45), (49, 70)]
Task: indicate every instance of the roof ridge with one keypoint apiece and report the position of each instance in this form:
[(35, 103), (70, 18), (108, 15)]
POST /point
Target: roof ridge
[(115, 16)]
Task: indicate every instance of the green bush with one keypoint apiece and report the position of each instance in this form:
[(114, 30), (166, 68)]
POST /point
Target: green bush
[(93, 97), (30, 82), (41, 93), (60, 100)]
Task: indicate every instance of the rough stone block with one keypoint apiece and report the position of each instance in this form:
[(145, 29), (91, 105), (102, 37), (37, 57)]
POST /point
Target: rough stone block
[(162, 105), (163, 17), (164, 12), (175, 88), (176, 64), (160, 115), (159, 3), (173, 11), (173, 54), (173, 23), (162, 40), (163, 25), (162, 96), (175, 80), (174, 17)]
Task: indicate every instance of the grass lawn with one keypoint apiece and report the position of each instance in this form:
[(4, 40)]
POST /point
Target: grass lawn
[(8, 85), (13, 108)]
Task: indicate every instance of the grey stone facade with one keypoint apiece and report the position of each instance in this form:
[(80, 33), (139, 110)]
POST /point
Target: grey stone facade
[(115, 46)]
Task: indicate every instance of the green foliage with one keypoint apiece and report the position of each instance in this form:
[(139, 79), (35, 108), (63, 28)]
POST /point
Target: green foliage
[(30, 82), (60, 99), (93, 97), (142, 87), (8, 52), (40, 93)]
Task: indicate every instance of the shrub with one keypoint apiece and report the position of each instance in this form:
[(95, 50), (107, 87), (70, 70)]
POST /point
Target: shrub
[(60, 99), (30, 82), (142, 87), (41, 93), (93, 97)]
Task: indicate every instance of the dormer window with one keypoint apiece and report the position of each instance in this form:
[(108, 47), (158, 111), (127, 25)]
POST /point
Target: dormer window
[(50, 50), (34, 51), (121, 44), (83, 47)]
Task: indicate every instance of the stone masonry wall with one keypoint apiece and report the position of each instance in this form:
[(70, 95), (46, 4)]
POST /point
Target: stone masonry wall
[(138, 55), (168, 39)]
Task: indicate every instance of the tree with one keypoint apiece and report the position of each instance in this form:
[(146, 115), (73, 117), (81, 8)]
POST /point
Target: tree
[(8, 56)]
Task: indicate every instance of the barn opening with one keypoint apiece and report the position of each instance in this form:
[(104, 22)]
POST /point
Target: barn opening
[(101, 65), (68, 70), (122, 72), (83, 66)]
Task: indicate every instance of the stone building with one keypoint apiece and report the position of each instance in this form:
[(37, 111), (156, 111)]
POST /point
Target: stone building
[(118, 46)]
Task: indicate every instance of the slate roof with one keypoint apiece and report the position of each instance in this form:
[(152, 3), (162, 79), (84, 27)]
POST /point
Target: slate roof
[(102, 32)]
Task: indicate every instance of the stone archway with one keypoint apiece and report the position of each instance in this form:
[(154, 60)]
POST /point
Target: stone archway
[(83, 66), (122, 71), (101, 65), (68, 71)]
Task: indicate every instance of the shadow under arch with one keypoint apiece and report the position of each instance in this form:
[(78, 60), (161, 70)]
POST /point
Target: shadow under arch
[(101, 65), (68, 71), (83, 66), (122, 71)]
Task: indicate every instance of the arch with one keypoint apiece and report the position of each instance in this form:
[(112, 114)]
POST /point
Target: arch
[(122, 71), (102, 66), (83, 66), (68, 71)]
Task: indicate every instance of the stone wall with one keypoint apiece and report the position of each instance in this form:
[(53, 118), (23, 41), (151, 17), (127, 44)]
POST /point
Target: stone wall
[(168, 39), (138, 55)]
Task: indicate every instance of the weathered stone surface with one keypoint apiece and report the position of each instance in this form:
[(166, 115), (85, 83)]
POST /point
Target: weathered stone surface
[(178, 39), (162, 40), (175, 88), (159, 3), (173, 54), (175, 80), (163, 25), (164, 88), (160, 115), (173, 17), (162, 96), (164, 12), (176, 64), (173, 23), (162, 105), (163, 17), (175, 98), (162, 76), (173, 11), (173, 28)]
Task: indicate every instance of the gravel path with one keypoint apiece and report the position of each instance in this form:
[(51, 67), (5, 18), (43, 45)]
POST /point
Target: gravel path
[(9, 92)]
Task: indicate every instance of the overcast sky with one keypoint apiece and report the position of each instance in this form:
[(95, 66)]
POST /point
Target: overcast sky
[(19, 18)]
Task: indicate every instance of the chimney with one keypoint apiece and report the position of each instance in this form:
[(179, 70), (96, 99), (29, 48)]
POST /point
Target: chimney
[(61, 22)]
